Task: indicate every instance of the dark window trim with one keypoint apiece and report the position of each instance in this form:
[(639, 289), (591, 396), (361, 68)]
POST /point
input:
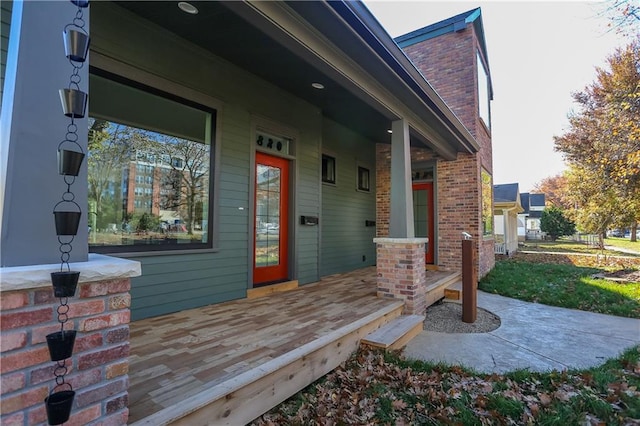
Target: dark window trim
[(162, 248), (368, 173), (331, 182)]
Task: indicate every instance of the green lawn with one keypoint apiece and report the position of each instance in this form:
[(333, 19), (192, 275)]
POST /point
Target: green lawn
[(623, 243), (567, 286)]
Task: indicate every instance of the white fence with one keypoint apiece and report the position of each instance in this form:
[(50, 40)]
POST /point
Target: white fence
[(505, 248), (590, 239)]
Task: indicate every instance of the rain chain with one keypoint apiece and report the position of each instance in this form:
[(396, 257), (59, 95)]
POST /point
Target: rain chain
[(70, 156)]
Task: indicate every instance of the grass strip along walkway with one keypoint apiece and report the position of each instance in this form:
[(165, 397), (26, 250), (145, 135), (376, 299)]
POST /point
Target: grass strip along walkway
[(563, 285)]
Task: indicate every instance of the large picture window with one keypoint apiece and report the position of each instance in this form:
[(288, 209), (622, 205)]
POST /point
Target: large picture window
[(487, 204), (149, 169)]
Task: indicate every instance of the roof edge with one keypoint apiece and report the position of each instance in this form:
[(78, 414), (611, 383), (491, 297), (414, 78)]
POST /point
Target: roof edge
[(374, 34)]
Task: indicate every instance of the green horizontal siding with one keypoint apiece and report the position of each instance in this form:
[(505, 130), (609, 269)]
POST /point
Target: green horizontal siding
[(171, 283), (345, 238), (308, 204)]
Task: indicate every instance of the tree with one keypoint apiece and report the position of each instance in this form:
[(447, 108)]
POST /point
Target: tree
[(599, 203), (624, 15), (556, 190), (185, 186), (109, 150), (555, 224), (602, 145)]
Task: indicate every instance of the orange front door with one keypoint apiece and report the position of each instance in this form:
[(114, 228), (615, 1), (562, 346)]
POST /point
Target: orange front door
[(423, 216), (271, 221)]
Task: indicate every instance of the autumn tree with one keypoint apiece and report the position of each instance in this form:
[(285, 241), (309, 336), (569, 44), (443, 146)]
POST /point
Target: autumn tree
[(556, 190), (624, 15), (600, 204), (602, 145)]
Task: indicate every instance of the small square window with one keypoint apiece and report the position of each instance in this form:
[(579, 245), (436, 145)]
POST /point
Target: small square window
[(328, 169), (363, 179)]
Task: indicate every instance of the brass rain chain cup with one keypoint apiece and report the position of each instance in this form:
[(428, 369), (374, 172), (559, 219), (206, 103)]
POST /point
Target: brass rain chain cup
[(67, 214)]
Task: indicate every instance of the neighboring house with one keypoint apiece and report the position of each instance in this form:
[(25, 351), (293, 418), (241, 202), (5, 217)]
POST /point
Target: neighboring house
[(522, 217), (245, 145), (536, 206), (507, 206), (533, 205)]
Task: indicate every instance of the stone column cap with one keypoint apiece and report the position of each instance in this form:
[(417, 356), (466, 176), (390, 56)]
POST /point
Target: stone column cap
[(400, 240), (98, 268)]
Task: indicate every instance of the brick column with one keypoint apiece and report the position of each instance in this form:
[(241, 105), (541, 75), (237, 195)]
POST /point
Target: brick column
[(99, 366), (401, 271)]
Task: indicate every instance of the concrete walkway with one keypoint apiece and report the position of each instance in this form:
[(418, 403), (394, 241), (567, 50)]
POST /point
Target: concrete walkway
[(621, 249), (531, 335)]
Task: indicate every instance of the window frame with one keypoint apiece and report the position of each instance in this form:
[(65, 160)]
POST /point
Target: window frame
[(359, 188), (335, 171), (484, 96), (486, 193), (212, 123)]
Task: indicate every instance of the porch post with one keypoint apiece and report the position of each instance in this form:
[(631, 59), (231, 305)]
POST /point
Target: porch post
[(32, 125), (401, 209), (400, 258)]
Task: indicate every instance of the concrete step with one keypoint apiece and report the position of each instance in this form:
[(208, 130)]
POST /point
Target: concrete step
[(396, 333)]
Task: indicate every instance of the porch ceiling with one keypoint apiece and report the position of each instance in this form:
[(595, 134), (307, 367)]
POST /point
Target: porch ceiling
[(243, 35), (223, 32)]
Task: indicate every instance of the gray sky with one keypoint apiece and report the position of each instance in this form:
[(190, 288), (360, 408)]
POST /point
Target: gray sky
[(539, 52)]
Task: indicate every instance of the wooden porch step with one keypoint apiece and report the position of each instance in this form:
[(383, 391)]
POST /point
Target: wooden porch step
[(396, 333), (453, 293), (436, 290)]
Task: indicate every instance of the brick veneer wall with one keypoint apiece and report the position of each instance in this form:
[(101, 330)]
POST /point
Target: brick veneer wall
[(458, 201), (449, 64), (99, 365)]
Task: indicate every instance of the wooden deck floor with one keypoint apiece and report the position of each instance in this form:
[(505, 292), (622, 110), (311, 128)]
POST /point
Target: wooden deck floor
[(176, 356)]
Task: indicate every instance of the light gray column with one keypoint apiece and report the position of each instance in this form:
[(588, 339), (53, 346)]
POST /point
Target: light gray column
[(33, 125), (401, 211)]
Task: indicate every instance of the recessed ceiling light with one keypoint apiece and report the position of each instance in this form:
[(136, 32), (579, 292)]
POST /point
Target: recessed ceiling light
[(188, 8), (389, 131), (318, 86)]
